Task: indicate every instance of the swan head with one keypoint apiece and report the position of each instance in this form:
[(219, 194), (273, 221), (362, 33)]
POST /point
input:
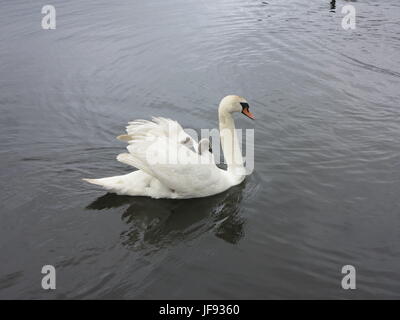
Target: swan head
[(232, 103)]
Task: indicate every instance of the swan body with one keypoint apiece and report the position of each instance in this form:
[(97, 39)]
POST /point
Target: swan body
[(172, 165)]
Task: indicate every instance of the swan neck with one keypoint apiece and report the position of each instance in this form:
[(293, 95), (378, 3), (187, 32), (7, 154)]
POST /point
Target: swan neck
[(230, 143)]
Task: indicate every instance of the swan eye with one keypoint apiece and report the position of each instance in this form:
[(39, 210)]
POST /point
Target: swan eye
[(244, 105)]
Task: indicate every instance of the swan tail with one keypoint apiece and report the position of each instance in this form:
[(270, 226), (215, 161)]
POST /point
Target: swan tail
[(111, 183), (132, 184)]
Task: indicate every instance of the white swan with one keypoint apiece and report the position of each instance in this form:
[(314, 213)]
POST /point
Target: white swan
[(193, 173)]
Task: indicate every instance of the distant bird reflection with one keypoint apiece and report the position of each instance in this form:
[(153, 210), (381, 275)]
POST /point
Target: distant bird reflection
[(153, 224), (333, 5)]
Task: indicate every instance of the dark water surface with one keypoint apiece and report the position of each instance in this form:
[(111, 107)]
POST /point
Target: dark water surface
[(326, 186)]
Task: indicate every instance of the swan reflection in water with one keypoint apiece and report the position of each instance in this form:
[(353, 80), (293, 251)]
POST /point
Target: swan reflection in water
[(154, 224)]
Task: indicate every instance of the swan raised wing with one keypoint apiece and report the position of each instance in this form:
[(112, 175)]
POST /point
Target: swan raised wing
[(185, 172)]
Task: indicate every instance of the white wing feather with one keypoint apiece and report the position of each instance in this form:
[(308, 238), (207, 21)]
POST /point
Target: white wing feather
[(160, 148), (176, 166), (159, 127)]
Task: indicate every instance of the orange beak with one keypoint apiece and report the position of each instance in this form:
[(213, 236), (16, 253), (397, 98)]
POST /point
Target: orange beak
[(247, 113)]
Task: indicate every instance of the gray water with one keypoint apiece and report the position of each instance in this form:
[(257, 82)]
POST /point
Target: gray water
[(325, 189)]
